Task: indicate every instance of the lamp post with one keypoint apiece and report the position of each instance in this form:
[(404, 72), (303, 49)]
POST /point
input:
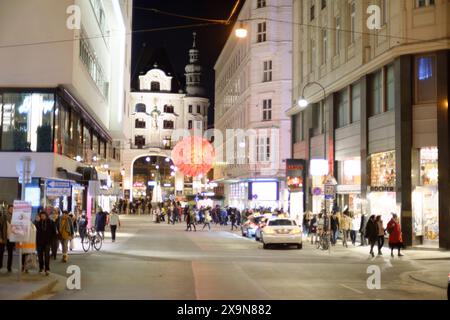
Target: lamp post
[(303, 103)]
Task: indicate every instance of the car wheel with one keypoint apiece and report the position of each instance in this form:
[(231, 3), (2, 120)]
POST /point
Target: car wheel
[(265, 246), (300, 246)]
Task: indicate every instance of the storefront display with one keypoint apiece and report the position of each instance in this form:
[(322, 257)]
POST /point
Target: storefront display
[(349, 188), (425, 198)]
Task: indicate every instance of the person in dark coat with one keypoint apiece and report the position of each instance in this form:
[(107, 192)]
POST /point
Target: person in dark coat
[(82, 226), (100, 223), (233, 219), (372, 233), (334, 228), (45, 234), (362, 230), (4, 240)]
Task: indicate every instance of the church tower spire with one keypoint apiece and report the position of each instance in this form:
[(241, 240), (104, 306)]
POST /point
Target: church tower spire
[(194, 71)]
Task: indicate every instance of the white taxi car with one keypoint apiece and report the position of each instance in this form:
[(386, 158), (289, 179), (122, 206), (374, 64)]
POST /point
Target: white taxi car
[(281, 231)]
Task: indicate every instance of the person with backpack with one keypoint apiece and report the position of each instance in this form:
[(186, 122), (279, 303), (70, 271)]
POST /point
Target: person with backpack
[(65, 233)]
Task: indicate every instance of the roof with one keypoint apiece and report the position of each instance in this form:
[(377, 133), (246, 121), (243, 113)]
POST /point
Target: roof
[(147, 59)]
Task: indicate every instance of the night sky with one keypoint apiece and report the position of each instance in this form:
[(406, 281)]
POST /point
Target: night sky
[(210, 39)]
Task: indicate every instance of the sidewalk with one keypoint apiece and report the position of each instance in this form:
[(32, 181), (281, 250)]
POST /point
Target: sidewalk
[(32, 285)]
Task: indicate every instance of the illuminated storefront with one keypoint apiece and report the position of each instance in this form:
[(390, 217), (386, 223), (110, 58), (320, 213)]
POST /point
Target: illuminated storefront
[(425, 197), (382, 197), (349, 188), (318, 171)]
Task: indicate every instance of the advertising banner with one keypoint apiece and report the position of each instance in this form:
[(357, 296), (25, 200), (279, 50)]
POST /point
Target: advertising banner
[(21, 221), (295, 174)]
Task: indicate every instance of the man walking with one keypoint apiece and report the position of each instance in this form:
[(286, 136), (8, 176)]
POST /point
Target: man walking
[(45, 233), (114, 222), (362, 230), (65, 233)]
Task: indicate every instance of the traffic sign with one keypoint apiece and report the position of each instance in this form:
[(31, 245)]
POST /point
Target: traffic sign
[(58, 188)]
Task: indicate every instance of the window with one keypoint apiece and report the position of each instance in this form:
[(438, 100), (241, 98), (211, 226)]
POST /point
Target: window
[(390, 88), (260, 4), (154, 86), (324, 46), (312, 52), (312, 12), (168, 109), (323, 4), (267, 73), (261, 35), (168, 124), (424, 3), (198, 109), (263, 149), (376, 93), (356, 102), (267, 110), (338, 36), (190, 124), (343, 114), (352, 21), (140, 107), (139, 124), (425, 79), (279, 222), (167, 142), (299, 129), (99, 12), (139, 141), (190, 108), (27, 121)]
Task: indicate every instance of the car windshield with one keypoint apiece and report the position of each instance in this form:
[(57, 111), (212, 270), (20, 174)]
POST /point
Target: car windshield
[(283, 222)]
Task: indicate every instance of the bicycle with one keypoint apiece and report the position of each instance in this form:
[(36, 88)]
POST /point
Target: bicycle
[(92, 239), (324, 241)]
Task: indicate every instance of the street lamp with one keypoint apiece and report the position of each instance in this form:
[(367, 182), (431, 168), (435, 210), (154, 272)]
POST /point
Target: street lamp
[(241, 32)]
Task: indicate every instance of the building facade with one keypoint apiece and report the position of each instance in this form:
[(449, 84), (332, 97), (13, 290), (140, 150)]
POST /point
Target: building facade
[(252, 93), (159, 112), (382, 122), (64, 91)]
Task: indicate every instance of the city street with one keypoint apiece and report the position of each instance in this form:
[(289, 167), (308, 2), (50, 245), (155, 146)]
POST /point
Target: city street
[(160, 261)]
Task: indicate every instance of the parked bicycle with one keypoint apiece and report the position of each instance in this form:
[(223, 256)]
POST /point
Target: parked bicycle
[(92, 239)]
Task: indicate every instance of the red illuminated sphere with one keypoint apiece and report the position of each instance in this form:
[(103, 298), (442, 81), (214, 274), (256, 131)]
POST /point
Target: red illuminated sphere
[(193, 156)]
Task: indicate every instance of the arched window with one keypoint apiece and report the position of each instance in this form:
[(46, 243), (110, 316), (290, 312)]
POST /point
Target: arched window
[(140, 107), (139, 124), (154, 86)]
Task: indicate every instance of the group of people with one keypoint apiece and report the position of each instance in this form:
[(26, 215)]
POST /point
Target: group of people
[(51, 230), (348, 225)]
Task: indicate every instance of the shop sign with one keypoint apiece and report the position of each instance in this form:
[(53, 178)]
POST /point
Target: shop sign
[(382, 189), (295, 172), (343, 189), (21, 221), (58, 188)]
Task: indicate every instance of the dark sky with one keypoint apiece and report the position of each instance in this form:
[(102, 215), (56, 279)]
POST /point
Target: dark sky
[(210, 39)]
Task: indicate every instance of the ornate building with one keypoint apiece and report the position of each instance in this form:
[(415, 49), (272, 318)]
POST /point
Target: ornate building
[(158, 109)]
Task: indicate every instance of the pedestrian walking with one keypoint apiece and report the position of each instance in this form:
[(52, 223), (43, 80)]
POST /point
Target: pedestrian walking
[(55, 216), (381, 233), (372, 233), (346, 225), (313, 223), (45, 233), (207, 221), (190, 220), (114, 222), (233, 220), (5, 234), (74, 224), (100, 223), (82, 226), (395, 235), (356, 226), (334, 228), (362, 229), (65, 233)]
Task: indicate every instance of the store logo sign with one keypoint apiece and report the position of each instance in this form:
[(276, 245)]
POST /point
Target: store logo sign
[(382, 189), (374, 280), (374, 20), (73, 22)]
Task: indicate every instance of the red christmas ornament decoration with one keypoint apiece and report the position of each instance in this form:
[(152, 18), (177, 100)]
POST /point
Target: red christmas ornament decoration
[(193, 156)]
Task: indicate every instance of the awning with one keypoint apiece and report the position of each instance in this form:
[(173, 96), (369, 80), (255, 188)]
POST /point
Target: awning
[(69, 175)]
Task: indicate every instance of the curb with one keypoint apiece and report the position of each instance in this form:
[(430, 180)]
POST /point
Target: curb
[(41, 291), (426, 282)]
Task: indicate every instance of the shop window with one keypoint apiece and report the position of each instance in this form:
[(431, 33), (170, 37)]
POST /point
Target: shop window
[(27, 122), (356, 102), (390, 88), (425, 79), (382, 169), (343, 113), (429, 166), (376, 93)]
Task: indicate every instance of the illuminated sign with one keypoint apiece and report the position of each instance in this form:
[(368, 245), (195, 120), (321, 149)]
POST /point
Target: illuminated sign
[(295, 171), (318, 167)]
